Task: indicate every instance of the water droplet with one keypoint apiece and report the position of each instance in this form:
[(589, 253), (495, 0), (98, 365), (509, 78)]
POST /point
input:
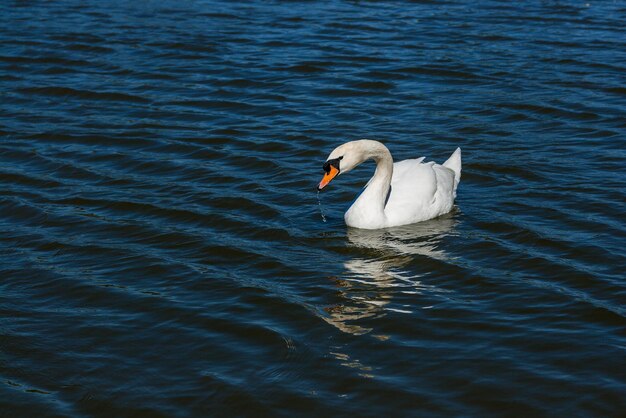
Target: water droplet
[(319, 204)]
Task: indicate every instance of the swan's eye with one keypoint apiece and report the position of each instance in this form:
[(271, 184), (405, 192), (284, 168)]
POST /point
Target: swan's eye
[(332, 163)]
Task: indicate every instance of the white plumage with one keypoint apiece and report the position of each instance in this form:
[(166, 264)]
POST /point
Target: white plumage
[(406, 192)]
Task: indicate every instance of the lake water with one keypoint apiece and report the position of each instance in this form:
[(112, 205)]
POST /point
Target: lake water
[(163, 254)]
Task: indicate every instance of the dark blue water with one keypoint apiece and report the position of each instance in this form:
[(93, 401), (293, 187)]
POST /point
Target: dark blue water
[(162, 253)]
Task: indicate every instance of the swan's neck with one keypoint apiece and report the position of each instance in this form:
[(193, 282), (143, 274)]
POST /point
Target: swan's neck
[(370, 205)]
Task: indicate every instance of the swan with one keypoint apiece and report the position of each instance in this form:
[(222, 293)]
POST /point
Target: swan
[(399, 193)]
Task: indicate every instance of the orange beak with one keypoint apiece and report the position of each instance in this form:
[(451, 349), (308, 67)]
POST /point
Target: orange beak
[(331, 174)]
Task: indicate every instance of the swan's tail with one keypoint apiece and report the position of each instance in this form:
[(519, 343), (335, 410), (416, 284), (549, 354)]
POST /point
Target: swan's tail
[(454, 164)]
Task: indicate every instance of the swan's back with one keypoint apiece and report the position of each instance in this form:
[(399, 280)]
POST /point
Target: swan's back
[(421, 191)]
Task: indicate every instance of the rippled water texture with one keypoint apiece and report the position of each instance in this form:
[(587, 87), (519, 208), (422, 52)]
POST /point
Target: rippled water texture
[(163, 253)]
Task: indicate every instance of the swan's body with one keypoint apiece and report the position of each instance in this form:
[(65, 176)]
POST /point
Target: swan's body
[(403, 193)]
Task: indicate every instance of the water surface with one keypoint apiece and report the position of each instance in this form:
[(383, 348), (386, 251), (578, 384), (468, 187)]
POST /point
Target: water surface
[(161, 245)]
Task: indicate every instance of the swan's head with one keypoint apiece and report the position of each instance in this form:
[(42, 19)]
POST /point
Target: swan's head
[(343, 159)]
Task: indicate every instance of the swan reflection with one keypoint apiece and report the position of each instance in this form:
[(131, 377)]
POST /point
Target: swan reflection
[(380, 269)]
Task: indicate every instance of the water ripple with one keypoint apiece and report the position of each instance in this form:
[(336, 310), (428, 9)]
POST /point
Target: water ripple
[(162, 249)]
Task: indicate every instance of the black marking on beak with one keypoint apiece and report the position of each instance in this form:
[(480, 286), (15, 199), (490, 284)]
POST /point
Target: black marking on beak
[(334, 163)]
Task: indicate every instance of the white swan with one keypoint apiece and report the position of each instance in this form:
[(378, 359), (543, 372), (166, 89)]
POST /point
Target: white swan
[(403, 193)]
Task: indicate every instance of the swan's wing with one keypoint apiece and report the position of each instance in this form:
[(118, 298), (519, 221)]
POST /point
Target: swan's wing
[(446, 183), (418, 190), (412, 184)]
